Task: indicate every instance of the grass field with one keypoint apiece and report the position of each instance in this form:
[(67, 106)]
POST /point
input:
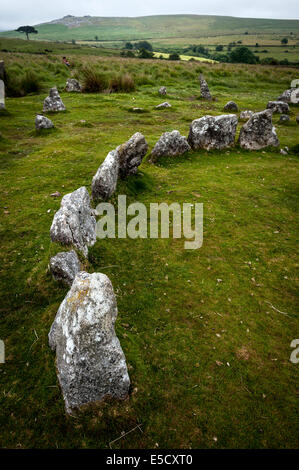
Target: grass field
[(207, 349)]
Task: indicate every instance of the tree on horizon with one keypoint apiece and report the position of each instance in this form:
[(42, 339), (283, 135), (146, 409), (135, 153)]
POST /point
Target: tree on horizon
[(27, 30)]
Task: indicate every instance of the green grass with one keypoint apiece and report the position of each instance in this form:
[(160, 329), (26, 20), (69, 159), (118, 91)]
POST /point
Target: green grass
[(178, 324)]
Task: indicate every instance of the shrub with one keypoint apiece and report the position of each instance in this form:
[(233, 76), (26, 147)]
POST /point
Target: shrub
[(93, 81), (124, 83), (30, 82), (243, 55), (174, 56), (17, 84)]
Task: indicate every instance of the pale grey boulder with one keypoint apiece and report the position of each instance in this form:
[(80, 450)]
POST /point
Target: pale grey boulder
[(75, 223), (258, 132), (163, 105), (162, 91), (231, 106), (72, 85), (53, 102), (130, 155), (245, 115), (213, 132), (42, 122), (104, 181), (65, 266), (170, 144), (204, 89), (91, 364), (278, 107), (290, 96), (2, 94)]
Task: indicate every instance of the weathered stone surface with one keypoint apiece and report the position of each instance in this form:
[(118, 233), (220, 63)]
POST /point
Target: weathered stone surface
[(130, 154), (290, 96), (204, 89), (74, 223), (278, 107), (2, 95), (163, 105), (170, 144), (42, 122), (53, 102), (104, 181), (162, 90), (213, 132), (231, 106), (91, 364), (245, 115), (65, 266), (73, 85), (258, 132), (284, 118)]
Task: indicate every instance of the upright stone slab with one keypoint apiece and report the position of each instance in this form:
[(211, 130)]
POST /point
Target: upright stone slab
[(170, 144), (65, 266), (2, 95), (42, 122), (204, 89), (213, 132), (258, 132), (131, 154), (74, 223), (53, 102), (104, 181), (90, 362)]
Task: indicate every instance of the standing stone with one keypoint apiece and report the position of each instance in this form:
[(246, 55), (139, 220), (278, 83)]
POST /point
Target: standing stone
[(258, 132), (278, 107), (53, 102), (204, 89), (2, 95), (171, 144), (245, 115), (231, 106), (162, 90), (73, 85), (163, 105), (104, 181), (213, 132), (91, 365), (42, 122), (65, 266), (130, 155), (290, 96), (74, 223)]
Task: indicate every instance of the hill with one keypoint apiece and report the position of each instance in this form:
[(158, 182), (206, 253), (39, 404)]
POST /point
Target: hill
[(160, 27)]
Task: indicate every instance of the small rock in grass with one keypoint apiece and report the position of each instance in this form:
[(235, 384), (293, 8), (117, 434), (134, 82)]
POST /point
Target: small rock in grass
[(231, 106), (53, 102), (73, 85), (162, 90), (163, 105), (42, 122), (171, 144)]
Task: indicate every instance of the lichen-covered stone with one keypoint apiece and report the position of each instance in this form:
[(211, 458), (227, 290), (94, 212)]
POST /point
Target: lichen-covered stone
[(245, 115), (104, 181), (130, 155), (290, 96), (72, 85), (231, 106), (284, 118), (278, 107), (65, 266), (53, 102), (258, 132), (91, 365), (170, 144), (74, 223), (42, 122), (213, 132), (204, 89)]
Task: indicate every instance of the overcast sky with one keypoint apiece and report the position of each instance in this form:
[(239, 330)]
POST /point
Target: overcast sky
[(15, 13)]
